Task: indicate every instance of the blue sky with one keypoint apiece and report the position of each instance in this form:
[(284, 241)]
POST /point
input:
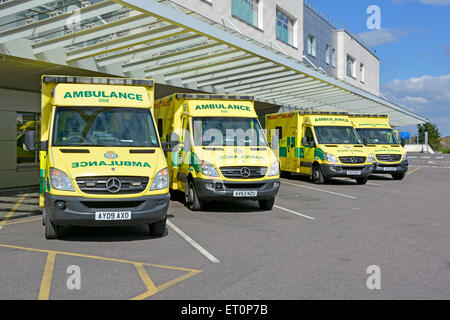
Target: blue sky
[(414, 50)]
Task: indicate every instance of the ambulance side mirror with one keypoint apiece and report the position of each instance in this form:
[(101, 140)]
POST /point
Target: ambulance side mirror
[(403, 142), (174, 142), (30, 140), (365, 142)]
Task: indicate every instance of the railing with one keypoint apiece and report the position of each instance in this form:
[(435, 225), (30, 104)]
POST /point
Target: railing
[(338, 25)]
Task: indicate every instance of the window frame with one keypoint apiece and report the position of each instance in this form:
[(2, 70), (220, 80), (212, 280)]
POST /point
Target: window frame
[(353, 66), (37, 119), (255, 4), (291, 25), (311, 45)]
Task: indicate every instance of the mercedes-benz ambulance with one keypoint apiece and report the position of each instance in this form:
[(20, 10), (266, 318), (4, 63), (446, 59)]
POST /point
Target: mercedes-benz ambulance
[(218, 150), (378, 136), (321, 145), (101, 160)]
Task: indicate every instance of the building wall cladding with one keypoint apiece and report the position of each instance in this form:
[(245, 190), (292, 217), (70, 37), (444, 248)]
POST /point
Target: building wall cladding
[(265, 32), (12, 103), (325, 34), (348, 46)]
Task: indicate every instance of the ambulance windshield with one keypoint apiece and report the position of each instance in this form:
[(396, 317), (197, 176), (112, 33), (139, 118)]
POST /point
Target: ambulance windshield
[(99, 126), (378, 136), (336, 135), (228, 131)]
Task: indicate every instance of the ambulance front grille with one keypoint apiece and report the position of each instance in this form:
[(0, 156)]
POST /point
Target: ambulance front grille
[(126, 185), (236, 172), (352, 160), (389, 157)]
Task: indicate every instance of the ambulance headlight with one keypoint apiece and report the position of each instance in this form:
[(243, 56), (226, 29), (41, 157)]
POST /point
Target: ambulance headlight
[(274, 169), (60, 181), (331, 158), (405, 157), (208, 169), (371, 158), (161, 180)]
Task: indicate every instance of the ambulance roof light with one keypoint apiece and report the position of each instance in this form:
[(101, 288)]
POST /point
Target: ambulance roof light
[(198, 96), (98, 80), (369, 115)]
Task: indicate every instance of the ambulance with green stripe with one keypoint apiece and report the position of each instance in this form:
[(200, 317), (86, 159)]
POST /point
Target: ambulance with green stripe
[(379, 137), (101, 159), (321, 145), (217, 149)]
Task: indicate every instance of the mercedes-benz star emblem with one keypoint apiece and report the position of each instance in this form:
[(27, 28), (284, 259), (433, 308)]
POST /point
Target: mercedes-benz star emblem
[(245, 172), (354, 160), (113, 185)]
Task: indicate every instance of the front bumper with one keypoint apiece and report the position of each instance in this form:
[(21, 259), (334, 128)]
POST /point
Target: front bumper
[(80, 211), (390, 168), (224, 190), (331, 170)]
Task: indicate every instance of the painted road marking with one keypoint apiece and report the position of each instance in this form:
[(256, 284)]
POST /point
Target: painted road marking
[(46, 283), (296, 213), (44, 292), (411, 172), (22, 221), (321, 190), (193, 243), (16, 206)]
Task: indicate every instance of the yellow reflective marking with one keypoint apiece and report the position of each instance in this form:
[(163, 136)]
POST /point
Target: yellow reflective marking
[(44, 291), (16, 206)]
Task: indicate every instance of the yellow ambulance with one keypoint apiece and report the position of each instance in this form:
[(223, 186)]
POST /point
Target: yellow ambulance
[(321, 145), (218, 150), (101, 160), (378, 136)]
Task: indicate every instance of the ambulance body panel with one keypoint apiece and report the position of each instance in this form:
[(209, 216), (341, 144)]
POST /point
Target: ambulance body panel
[(218, 149), (322, 145), (383, 142), (101, 159)]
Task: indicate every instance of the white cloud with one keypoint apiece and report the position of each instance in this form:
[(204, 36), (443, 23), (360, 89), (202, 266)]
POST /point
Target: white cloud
[(427, 95), (380, 36)]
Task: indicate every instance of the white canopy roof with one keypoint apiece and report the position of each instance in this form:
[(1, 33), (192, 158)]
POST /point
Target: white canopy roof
[(175, 46)]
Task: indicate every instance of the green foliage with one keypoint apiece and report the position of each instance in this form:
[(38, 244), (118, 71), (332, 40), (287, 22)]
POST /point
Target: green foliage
[(434, 137)]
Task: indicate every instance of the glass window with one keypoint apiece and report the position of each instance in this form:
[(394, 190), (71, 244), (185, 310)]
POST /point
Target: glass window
[(97, 126), (362, 70), (285, 28), (309, 136), (27, 122), (378, 136), (246, 10), (328, 54), (311, 45), (333, 58), (350, 66), (228, 131), (336, 135)]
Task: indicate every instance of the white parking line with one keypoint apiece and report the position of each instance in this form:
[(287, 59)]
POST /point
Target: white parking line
[(296, 213), (374, 184), (193, 243), (316, 189)]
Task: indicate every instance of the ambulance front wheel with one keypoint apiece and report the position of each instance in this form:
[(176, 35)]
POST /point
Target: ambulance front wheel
[(157, 229), (193, 202), (362, 180), (51, 230), (266, 204), (317, 175), (398, 176)]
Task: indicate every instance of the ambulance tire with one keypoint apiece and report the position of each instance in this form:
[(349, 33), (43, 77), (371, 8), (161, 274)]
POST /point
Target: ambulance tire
[(44, 216), (362, 180), (398, 176), (157, 229), (193, 202), (51, 230), (317, 175), (267, 204)]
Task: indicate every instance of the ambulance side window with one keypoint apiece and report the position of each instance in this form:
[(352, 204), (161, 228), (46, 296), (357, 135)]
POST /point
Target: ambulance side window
[(280, 132), (160, 127), (309, 136)]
